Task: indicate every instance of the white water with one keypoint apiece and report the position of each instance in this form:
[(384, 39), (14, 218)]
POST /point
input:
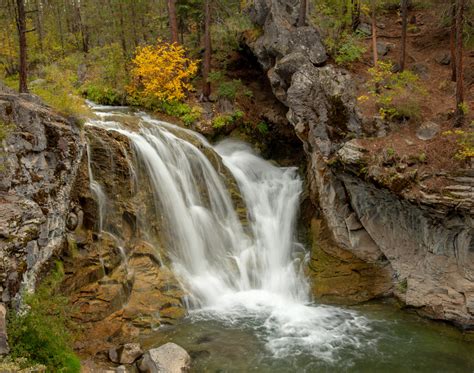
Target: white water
[(235, 275)]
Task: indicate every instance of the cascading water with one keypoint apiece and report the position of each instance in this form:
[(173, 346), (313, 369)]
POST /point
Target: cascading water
[(233, 274), (244, 278)]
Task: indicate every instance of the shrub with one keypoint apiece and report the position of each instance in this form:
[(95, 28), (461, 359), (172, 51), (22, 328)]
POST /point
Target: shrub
[(224, 120), (397, 95), (465, 140), (162, 71), (186, 113), (103, 95), (41, 335), (350, 49)]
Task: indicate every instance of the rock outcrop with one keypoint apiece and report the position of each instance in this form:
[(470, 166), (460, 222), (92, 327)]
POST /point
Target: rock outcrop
[(375, 240), (169, 358), (39, 157)]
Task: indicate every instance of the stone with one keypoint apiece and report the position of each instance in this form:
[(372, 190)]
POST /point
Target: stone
[(4, 348), (121, 369), (364, 28), (428, 130), (125, 354), (168, 358), (420, 69), (383, 48), (351, 152), (443, 58)]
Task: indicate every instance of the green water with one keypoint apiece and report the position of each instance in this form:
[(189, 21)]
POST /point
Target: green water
[(395, 341)]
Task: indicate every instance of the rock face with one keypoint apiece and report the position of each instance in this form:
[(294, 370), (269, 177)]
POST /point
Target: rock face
[(169, 358), (117, 275), (4, 348), (369, 239), (39, 162)]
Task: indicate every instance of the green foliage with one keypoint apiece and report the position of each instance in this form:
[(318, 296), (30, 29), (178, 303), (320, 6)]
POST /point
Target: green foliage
[(229, 89), (188, 114), (465, 140), (103, 95), (262, 127), (397, 95), (41, 335), (349, 49), (224, 120)]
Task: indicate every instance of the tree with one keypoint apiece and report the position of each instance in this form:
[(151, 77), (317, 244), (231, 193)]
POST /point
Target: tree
[(173, 21), (355, 14), (452, 40), (404, 14), (21, 26), (302, 13), (460, 105), (206, 68), (373, 6)]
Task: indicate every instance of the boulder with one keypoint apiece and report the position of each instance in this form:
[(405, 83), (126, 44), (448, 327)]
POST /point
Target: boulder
[(168, 358), (427, 130), (383, 48), (125, 354)]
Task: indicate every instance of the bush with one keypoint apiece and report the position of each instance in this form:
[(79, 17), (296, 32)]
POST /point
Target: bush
[(162, 72), (224, 120), (41, 335), (186, 113), (103, 95), (465, 140), (350, 49), (397, 95)]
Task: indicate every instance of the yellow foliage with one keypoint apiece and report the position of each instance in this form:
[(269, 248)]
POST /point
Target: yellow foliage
[(162, 71)]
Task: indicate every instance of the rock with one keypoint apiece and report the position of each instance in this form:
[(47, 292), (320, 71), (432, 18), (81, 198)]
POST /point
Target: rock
[(4, 348), (443, 58), (427, 130), (383, 48), (420, 69), (125, 354), (365, 29), (121, 369), (351, 152), (168, 358)]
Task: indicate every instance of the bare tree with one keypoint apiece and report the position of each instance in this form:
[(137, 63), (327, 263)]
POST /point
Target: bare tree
[(21, 26), (452, 40), (302, 13), (173, 21), (374, 31), (404, 14), (206, 68), (459, 117)]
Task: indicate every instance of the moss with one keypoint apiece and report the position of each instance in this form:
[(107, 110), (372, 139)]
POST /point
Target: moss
[(42, 335)]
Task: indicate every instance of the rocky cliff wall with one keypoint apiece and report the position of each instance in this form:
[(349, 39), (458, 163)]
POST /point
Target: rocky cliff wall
[(368, 240), (39, 159)]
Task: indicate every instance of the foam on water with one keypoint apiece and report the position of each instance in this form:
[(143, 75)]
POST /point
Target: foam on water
[(250, 276)]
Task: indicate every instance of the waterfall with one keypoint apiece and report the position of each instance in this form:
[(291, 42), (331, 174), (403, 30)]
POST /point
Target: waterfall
[(231, 271)]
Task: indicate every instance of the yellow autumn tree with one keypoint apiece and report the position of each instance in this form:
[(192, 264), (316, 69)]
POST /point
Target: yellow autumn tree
[(162, 71)]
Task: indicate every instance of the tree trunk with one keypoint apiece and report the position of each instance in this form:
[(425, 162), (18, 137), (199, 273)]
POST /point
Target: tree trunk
[(452, 40), (459, 117), (374, 33), (302, 13), (355, 14), (39, 24), (173, 21), (206, 68), (21, 25), (404, 13)]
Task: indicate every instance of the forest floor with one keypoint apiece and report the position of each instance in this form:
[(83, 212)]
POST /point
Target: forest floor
[(427, 45)]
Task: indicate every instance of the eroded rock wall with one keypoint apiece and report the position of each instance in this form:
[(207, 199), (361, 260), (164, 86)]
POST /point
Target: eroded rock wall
[(372, 240), (39, 161)]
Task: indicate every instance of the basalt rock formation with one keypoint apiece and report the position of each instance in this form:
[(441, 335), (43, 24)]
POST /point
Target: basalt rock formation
[(369, 239)]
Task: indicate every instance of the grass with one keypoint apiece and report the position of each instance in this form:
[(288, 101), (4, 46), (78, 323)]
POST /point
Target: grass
[(42, 333)]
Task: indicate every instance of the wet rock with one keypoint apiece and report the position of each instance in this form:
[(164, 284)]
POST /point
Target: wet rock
[(169, 358), (125, 354), (427, 131), (72, 221)]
